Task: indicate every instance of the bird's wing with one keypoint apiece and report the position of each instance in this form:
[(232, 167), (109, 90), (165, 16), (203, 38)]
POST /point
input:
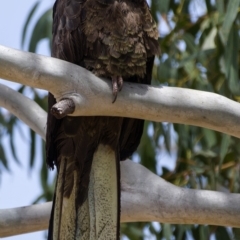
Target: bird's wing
[(74, 142), (68, 44), (62, 135)]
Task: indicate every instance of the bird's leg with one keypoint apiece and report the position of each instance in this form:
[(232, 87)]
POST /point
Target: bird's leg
[(117, 84)]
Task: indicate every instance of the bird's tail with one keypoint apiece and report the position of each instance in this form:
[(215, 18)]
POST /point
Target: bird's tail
[(98, 217)]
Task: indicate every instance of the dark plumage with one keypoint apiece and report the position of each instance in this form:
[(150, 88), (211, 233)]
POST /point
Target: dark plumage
[(114, 39)]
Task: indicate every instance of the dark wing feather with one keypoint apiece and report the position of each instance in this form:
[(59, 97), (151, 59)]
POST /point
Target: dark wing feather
[(68, 44), (63, 135)]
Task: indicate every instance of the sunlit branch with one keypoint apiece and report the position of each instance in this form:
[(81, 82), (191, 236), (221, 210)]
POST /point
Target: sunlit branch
[(143, 199), (24, 108), (93, 96)]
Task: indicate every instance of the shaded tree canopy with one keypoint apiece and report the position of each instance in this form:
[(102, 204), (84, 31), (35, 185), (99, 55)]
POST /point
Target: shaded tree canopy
[(200, 50)]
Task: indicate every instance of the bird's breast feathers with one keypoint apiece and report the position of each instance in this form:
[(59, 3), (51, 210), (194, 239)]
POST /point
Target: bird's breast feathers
[(120, 36)]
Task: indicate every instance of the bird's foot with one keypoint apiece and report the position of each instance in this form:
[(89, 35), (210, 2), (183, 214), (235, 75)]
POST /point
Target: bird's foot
[(117, 84)]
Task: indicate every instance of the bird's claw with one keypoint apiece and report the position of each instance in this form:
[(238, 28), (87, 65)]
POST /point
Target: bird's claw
[(117, 84)]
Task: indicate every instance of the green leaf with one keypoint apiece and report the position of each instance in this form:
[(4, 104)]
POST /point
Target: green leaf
[(231, 61), (12, 146), (165, 71), (163, 6), (232, 11), (206, 153), (220, 6), (226, 139), (26, 25), (210, 137), (236, 232), (32, 148), (3, 158), (167, 232), (41, 30), (146, 150), (10, 126), (222, 234), (209, 41), (190, 42), (201, 232)]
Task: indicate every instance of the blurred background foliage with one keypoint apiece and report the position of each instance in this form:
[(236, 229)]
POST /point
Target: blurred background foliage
[(200, 45)]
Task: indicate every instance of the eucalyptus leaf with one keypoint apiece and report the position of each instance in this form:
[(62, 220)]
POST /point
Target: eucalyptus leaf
[(232, 11), (232, 61), (222, 234), (32, 148), (26, 24), (3, 158), (42, 30), (226, 140)]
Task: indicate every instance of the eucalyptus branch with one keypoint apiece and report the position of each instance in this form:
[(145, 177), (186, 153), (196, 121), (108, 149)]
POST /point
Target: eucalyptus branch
[(24, 108), (142, 199), (92, 96)]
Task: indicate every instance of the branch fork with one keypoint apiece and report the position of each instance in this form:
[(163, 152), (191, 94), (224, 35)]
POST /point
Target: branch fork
[(150, 200)]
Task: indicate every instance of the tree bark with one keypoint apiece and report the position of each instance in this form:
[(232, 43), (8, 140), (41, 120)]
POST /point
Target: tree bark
[(92, 96), (142, 199), (152, 199)]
